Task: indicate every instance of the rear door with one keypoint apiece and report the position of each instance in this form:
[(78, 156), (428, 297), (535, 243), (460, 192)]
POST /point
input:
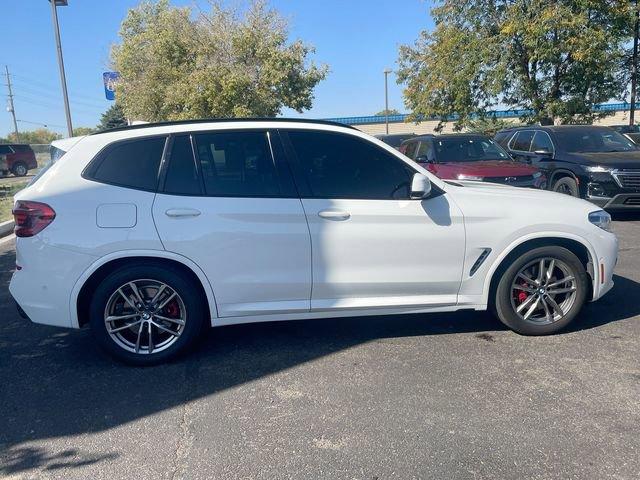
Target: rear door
[(520, 144), (228, 203)]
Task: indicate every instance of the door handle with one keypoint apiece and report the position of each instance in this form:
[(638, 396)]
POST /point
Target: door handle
[(182, 212), (334, 214)]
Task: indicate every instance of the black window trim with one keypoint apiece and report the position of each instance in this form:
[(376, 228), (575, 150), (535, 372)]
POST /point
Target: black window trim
[(97, 160), (166, 159), (303, 185), (277, 157)]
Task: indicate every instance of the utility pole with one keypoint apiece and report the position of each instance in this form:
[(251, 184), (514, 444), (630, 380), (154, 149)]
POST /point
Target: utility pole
[(634, 65), (63, 79), (11, 108), (386, 72)]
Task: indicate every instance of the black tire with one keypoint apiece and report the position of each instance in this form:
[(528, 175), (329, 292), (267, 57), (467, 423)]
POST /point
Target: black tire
[(566, 185), (506, 304), (19, 169), (188, 293)]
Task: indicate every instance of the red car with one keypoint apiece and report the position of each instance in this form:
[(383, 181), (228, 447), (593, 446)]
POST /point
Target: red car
[(471, 157), (20, 158)]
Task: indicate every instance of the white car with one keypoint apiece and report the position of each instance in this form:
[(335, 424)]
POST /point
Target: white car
[(148, 233)]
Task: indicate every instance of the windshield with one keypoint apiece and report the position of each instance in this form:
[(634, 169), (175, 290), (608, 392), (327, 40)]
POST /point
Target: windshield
[(593, 140), (468, 149)]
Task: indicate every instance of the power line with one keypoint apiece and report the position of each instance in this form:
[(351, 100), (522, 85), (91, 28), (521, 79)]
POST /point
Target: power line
[(46, 125), (42, 90)]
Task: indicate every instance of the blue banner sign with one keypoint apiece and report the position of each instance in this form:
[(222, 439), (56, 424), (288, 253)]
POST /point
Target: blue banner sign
[(110, 80)]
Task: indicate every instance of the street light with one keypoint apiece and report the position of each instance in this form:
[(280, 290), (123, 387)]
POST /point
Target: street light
[(386, 72), (63, 79)]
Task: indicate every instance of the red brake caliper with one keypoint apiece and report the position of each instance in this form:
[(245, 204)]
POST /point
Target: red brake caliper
[(172, 309)]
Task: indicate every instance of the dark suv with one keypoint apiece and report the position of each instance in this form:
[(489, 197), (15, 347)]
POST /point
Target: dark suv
[(20, 158), (586, 161)]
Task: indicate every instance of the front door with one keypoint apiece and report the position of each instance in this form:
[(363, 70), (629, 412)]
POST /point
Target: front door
[(372, 246), (234, 212)]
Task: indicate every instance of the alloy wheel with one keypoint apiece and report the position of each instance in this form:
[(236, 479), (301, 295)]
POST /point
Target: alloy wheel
[(543, 291), (145, 316)]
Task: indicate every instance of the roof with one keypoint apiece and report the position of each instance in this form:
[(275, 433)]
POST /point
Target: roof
[(554, 128), (222, 120), (445, 135)]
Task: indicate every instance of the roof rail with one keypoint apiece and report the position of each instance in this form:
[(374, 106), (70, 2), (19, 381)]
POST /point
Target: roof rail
[(224, 120)]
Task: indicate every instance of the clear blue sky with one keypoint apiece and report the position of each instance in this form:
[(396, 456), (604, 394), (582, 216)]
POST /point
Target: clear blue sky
[(356, 38)]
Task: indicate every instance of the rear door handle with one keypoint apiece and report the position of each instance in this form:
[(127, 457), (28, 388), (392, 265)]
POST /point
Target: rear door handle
[(182, 212), (334, 214)]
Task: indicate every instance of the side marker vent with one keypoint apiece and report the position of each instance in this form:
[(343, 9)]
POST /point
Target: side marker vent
[(483, 256)]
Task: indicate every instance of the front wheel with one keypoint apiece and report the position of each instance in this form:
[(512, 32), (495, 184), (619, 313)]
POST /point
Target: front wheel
[(566, 185), (542, 291), (19, 169), (146, 314)]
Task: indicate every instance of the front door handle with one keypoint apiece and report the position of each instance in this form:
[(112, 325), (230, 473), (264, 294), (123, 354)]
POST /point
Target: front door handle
[(182, 212), (334, 214)]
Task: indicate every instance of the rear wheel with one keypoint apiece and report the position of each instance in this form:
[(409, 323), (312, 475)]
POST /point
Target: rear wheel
[(19, 169), (146, 314), (566, 185), (542, 291)]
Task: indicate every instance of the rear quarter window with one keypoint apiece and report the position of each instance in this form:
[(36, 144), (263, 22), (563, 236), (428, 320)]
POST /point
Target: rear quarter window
[(130, 163)]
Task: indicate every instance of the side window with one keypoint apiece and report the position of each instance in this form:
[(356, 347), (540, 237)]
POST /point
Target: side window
[(130, 164), (344, 166), (425, 150), (541, 143), (522, 141), (502, 138), (410, 151), (182, 175), (5, 150), (237, 164)]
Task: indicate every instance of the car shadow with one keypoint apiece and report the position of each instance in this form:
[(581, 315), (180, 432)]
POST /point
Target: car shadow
[(55, 383)]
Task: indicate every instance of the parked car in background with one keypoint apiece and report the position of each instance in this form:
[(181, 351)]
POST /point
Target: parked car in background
[(395, 139), (20, 158), (632, 132), (150, 233), (586, 161), (470, 157)]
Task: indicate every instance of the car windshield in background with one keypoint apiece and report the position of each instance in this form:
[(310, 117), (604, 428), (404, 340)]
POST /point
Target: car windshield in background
[(468, 149), (593, 141), (395, 140)]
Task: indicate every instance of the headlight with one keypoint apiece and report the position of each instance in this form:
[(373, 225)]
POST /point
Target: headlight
[(598, 169), (537, 175), (601, 219), (462, 176)]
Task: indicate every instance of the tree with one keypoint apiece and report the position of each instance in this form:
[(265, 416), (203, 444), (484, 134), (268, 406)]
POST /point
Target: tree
[(391, 111), (112, 118), (556, 58), (80, 131), (176, 65), (40, 135), (489, 125)]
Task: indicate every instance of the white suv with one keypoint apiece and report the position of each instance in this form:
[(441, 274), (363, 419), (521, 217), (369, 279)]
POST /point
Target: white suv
[(149, 233)]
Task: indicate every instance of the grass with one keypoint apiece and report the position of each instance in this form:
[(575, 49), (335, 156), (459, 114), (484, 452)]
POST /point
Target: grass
[(6, 199)]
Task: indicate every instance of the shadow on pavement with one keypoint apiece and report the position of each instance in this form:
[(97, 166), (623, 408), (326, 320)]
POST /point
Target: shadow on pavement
[(55, 383)]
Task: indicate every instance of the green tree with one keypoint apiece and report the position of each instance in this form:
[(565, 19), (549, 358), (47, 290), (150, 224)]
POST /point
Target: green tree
[(489, 125), (40, 135), (218, 63), (391, 111), (112, 118), (79, 131), (557, 58)]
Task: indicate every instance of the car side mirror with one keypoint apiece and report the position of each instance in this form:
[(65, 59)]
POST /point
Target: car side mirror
[(420, 186)]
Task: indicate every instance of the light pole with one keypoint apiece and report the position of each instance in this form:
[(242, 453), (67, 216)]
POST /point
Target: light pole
[(63, 79), (386, 72)]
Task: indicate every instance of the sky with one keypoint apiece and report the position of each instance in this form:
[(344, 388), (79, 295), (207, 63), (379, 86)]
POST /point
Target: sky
[(357, 39)]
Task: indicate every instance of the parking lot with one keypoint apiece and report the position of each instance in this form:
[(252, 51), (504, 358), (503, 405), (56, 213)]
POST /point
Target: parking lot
[(416, 396)]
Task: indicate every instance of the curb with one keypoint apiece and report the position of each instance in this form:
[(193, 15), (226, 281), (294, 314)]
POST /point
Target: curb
[(6, 228)]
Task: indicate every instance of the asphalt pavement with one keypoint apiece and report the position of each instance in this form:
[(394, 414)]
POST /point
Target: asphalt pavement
[(443, 396)]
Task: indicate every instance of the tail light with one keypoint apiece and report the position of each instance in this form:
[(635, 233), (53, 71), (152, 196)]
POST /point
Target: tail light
[(31, 217)]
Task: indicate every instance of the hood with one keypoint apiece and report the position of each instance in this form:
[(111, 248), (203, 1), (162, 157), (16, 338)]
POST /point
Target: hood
[(608, 159), (485, 168)]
